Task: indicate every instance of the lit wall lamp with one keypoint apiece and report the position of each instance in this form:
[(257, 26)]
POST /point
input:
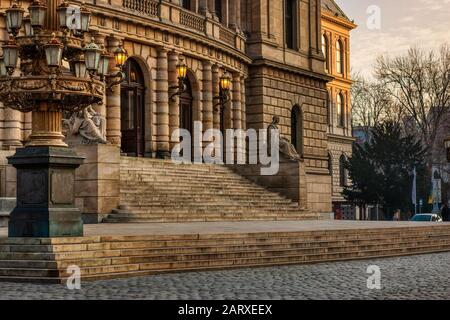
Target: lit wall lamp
[(182, 77), (225, 87), (120, 57)]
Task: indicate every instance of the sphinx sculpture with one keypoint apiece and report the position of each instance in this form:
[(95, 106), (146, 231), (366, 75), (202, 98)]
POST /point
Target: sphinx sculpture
[(286, 148), (88, 125)]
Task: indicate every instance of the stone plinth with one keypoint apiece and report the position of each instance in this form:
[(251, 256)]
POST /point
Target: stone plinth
[(97, 190), (290, 181), (45, 193)]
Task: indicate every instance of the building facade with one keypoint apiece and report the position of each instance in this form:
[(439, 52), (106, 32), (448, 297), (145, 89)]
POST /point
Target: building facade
[(336, 28), (271, 49)]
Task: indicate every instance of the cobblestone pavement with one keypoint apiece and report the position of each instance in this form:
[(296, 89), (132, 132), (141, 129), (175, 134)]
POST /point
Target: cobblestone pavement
[(415, 277)]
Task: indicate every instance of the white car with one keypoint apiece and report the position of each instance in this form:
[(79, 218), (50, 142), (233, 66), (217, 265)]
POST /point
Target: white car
[(427, 217)]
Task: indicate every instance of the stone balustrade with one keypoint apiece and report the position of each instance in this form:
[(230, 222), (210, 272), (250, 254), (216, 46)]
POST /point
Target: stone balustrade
[(173, 13)]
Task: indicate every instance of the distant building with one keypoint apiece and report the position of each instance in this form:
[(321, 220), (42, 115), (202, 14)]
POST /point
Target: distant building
[(336, 27)]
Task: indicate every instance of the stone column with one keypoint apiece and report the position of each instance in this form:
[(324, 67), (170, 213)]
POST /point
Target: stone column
[(12, 129), (238, 14), (236, 97), (216, 91), (113, 126), (236, 101), (212, 7), (243, 104), (203, 7), (232, 13), (207, 98), (162, 104), (174, 107)]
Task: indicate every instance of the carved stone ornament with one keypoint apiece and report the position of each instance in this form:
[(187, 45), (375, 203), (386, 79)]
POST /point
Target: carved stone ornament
[(72, 93), (87, 125), (286, 148)]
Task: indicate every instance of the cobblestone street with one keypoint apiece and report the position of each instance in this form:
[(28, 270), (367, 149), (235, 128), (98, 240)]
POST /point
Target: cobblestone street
[(415, 277)]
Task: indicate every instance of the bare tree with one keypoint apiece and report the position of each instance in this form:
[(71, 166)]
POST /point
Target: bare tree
[(419, 84), (372, 104)]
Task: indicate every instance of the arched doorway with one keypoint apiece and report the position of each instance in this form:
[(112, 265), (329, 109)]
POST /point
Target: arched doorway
[(132, 102), (297, 129), (186, 118)]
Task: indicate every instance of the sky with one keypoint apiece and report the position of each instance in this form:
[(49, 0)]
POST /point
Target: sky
[(401, 24)]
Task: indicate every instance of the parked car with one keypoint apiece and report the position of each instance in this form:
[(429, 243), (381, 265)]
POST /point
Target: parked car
[(427, 217)]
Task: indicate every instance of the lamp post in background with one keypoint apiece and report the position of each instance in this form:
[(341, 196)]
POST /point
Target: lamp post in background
[(58, 72)]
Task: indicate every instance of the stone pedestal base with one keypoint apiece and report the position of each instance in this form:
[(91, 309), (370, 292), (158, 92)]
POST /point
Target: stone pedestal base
[(45, 193), (97, 181)]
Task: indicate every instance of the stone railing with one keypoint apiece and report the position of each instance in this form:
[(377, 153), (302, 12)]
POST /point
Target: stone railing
[(227, 36), (170, 12), (148, 7), (192, 20)]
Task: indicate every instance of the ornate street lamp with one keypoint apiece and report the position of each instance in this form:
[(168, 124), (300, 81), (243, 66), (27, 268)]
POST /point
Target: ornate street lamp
[(103, 67), (47, 88), (14, 18), (225, 87), (27, 26), (53, 52), (10, 55), (182, 78), (37, 12), (79, 67), (92, 57), (85, 16)]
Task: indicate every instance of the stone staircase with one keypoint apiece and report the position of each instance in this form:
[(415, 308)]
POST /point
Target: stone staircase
[(105, 257), (154, 190)]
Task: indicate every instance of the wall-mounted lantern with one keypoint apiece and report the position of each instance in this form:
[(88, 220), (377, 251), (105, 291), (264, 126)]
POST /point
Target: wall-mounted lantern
[(182, 77), (225, 87)]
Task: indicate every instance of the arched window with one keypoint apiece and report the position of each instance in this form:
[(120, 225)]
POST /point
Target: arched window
[(340, 110), (325, 52), (342, 171), (290, 23), (339, 57), (297, 129)]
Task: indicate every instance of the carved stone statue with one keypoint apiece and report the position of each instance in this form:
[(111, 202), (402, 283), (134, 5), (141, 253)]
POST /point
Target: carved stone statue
[(286, 148), (88, 125)]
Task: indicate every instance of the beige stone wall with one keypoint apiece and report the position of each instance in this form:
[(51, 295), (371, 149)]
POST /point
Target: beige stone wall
[(319, 192)]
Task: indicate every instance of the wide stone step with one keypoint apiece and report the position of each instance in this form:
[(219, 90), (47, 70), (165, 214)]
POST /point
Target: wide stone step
[(240, 259)]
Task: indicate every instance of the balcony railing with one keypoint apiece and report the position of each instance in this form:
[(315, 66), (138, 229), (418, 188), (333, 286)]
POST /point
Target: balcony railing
[(175, 14), (227, 36), (192, 21), (147, 7)]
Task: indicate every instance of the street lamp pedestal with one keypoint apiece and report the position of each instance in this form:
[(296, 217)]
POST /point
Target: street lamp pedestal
[(45, 193)]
